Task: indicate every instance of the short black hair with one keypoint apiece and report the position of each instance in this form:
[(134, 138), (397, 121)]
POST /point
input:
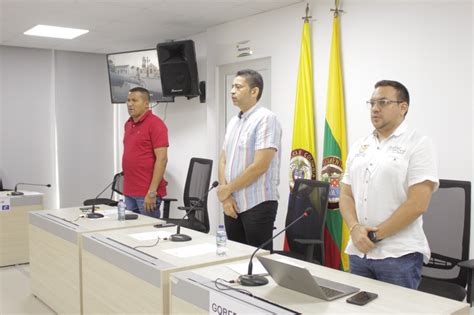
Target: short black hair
[(402, 91), (253, 78), (141, 90)]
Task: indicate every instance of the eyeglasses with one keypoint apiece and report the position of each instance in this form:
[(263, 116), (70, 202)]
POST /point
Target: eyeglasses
[(381, 103)]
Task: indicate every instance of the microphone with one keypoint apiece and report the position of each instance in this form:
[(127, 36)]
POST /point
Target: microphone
[(178, 237), (98, 201), (19, 193), (251, 280)]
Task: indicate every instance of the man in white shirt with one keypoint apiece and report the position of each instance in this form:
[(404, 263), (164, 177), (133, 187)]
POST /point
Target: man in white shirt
[(390, 176)]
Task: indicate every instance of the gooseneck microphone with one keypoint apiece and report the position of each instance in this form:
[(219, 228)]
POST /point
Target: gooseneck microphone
[(19, 193), (178, 237), (98, 201), (251, 280)]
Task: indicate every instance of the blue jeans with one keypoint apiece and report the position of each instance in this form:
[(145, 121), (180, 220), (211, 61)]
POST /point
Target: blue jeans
[(136, 204), (404, 271)]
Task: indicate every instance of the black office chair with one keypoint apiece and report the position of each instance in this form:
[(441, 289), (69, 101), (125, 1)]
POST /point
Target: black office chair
[(117, 186), (447, 225), (308, 233), (197, 184)]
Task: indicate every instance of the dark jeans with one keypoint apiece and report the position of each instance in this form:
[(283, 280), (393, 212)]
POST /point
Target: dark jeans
[(404, 271), (254, 226), (137, 205)]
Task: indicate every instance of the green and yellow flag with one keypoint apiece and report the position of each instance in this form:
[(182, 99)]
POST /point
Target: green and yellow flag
[(336, 234), (303, 149)]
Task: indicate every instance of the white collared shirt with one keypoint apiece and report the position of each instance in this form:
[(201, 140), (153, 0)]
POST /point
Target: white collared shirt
[(256, 129), (380, 173)]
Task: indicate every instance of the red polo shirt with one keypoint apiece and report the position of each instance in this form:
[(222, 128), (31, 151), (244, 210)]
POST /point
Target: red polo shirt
[(138, 160)]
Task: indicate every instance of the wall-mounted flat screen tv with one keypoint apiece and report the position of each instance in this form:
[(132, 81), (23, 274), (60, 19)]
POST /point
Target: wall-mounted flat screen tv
[(135, 68)]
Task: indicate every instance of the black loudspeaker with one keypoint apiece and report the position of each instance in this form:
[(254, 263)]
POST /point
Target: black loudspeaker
[(202, 92), (179, 76)]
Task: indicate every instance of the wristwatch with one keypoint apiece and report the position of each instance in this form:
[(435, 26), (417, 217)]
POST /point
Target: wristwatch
[(373, 236), (152, 194)]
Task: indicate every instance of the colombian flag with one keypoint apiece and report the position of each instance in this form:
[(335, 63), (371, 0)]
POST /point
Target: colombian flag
[(336, 234), (303, 149)]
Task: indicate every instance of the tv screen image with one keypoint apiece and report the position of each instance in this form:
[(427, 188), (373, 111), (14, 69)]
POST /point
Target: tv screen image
[(135, 68)]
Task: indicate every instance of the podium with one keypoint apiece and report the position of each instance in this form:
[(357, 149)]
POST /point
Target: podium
[(55, 252), (14, 227)]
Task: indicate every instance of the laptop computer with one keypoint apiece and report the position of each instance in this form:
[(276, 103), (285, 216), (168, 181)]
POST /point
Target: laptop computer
[(300, 279)]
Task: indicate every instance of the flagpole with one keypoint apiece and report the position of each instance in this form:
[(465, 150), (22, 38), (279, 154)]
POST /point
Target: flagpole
[(306, 17), (336, 10)]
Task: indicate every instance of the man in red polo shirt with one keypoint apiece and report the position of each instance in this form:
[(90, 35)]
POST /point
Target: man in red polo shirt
[(145, 154)]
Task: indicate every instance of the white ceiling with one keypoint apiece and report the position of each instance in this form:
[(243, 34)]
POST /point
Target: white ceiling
[(121, 25)]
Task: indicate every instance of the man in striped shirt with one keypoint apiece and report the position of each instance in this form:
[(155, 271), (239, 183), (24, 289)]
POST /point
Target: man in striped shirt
[(249, 166)]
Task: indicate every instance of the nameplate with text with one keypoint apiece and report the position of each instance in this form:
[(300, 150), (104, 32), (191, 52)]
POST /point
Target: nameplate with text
[(220, 304)]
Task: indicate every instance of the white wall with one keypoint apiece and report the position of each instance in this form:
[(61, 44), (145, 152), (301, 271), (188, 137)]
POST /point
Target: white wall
[(1, 112), (427, 47), (49, 96), (26, 123), (84, 119)]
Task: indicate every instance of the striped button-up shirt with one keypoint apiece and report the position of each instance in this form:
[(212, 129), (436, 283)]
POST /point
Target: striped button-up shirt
[(256, 129)]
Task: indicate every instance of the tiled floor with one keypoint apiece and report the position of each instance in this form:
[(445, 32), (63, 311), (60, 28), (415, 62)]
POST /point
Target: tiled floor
[(15, 293)]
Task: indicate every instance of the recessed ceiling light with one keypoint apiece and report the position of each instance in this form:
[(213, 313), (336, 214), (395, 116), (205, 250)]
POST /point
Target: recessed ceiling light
[(55, 31)]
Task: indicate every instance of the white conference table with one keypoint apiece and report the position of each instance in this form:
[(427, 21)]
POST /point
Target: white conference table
[(116, 278), (14, 226), (194, 292), (55, 252)]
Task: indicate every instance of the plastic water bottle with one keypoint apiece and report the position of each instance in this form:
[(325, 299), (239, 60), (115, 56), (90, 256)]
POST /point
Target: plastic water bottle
[(121, 210), (221, 240)]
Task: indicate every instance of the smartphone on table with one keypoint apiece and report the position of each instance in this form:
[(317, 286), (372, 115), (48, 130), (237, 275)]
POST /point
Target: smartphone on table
[(362, 298)]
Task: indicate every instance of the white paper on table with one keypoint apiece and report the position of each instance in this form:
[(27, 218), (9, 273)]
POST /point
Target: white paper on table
[(243, 268), (5, 204), (193, 250), (147, 236)]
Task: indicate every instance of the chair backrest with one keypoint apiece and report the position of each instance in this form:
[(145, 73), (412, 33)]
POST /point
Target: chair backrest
[(197, 184), (1, 184), (117, 184), (307, 194), (449, 209)]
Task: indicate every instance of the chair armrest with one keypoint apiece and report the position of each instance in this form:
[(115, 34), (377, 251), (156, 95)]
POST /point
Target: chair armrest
[(468, 264), (166, 206), (99, 201), (189, 208)]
